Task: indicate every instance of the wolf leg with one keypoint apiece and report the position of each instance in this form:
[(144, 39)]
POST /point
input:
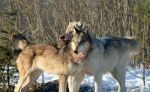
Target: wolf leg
[(17, 87), (62, 83), (22, 78), (31, 79), (98, 82), (74, 81), (119, 75)]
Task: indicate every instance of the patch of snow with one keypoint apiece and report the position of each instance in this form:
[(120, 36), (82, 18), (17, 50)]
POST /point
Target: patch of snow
[(47, 78), (133, 83)]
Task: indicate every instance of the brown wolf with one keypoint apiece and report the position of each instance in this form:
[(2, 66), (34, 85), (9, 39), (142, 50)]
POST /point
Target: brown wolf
[(35, 59)]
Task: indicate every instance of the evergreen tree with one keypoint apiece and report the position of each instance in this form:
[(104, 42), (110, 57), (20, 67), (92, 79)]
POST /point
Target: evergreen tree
[(7, 69)]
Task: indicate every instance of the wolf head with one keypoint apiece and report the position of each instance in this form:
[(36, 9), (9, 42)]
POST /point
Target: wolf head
[(77, 33)]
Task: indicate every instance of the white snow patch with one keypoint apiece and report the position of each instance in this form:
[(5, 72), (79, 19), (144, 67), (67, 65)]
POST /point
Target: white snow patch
[(133, 83)]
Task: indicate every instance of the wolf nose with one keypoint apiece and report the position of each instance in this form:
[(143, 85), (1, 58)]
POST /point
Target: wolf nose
[(76, 51)]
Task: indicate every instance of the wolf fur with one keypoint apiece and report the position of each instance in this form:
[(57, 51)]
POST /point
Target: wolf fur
[(108, 54), (35, 59)]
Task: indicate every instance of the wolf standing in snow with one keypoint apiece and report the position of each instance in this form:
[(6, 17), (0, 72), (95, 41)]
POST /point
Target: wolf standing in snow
[(108, 54), (35, 59)]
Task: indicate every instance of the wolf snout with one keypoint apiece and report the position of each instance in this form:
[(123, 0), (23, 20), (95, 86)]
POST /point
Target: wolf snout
[(65, 37), (75, 51), (62, 37)]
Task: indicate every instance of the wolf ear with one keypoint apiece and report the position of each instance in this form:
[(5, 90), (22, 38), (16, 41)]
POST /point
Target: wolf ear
[(78, 30), (78, 27)]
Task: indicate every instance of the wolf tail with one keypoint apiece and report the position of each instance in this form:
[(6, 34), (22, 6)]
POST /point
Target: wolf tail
[(19, 42), (134, 45)]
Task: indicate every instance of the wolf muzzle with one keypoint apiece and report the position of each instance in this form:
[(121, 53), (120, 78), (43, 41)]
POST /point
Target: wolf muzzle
[(66, 38)]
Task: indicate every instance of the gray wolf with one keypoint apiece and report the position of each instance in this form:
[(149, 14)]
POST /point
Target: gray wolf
[(108, 54), (35, 59)]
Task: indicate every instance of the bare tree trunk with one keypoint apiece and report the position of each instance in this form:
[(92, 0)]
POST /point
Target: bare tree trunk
[(8, 75)]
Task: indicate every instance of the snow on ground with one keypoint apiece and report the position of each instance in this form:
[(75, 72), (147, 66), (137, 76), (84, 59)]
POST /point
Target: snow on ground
[(133, 83)]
